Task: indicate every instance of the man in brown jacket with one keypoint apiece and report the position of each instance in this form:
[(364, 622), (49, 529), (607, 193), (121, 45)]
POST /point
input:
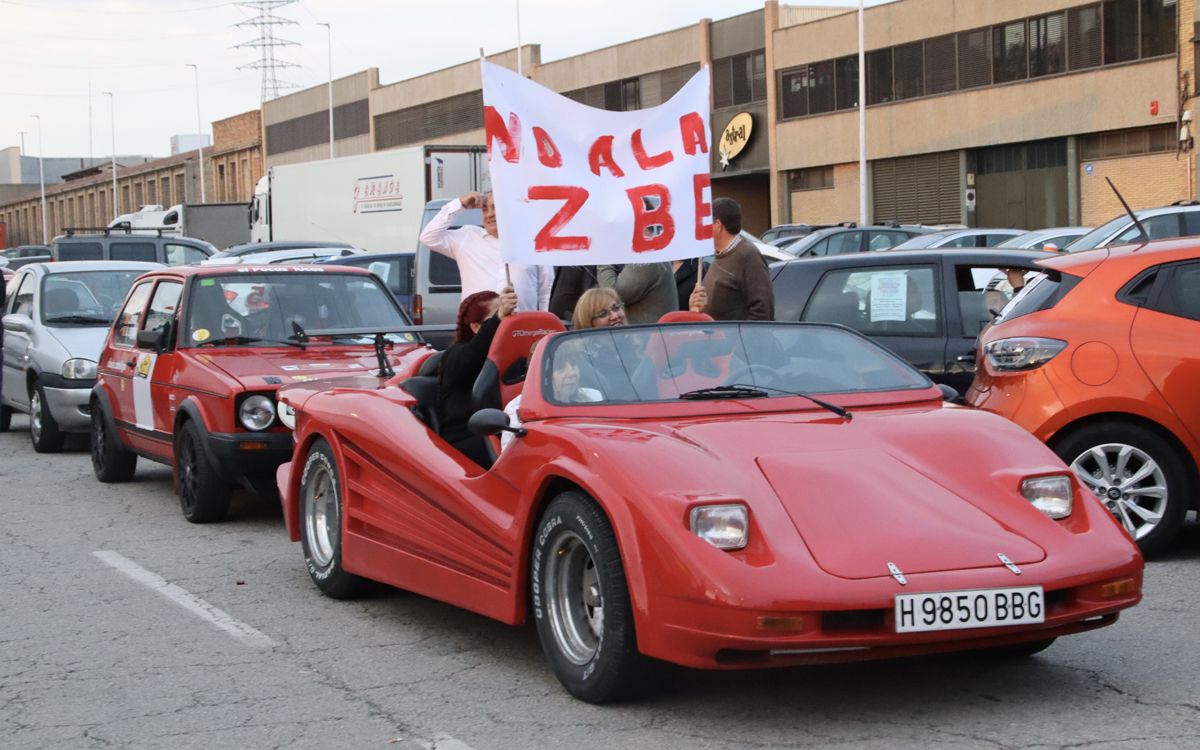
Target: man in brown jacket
[(737, 286)]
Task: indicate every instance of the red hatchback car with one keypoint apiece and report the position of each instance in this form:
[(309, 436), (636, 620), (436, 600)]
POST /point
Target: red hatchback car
[(188, 374), (1100, 358), (671, 494)]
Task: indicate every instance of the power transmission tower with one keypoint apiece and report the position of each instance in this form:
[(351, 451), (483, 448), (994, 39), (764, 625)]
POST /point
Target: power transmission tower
[(265, 22)]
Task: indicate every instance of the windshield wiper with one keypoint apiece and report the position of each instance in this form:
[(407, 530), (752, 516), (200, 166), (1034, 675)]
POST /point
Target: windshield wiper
[(236, 340), (82, 319), (723, 391), (841, 412)]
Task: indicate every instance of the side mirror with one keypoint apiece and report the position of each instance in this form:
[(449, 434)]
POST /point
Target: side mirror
[(18, 323), (949, 394), (1050, 247), (491, 422), (155, 340)]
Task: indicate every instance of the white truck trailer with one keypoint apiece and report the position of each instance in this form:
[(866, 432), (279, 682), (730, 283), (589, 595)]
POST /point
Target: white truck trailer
[(373, 201)]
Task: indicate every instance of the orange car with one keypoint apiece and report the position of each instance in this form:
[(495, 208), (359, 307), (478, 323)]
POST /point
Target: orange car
[(1100, 358)]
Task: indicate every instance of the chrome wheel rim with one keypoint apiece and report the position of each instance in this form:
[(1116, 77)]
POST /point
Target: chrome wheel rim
[(574, 599), (322, 516), (1128, 481), (35, 416)]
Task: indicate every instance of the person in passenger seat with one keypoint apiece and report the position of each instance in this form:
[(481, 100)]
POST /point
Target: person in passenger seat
[(565, 382)]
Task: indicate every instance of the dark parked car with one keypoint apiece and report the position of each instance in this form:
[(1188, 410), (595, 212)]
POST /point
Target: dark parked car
[(395, 270), (780, 232), (850, 239), (15, 257), (124, 244), (927, 306)]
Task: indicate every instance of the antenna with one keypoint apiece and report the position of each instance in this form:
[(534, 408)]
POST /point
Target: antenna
[(1128, 210), (265, 22)]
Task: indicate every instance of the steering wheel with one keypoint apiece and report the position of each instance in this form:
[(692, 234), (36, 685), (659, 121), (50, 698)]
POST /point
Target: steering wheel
[(757, 375)]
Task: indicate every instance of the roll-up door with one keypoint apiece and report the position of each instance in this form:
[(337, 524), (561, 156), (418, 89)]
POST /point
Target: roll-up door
[(918, 189)]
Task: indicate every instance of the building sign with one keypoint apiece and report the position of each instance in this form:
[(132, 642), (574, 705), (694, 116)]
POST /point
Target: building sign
[(373, 195), (734, 137)]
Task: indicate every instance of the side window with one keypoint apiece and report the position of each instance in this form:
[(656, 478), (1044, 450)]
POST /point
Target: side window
[(1163, 226), (144, 251), (885, 240), (982, 293), (889, 301), (1191, 223), (817, 250), (991, 240), (80, 251), (163, 306), (388, 271), (443, 271), (845, 242), (183, 255), (23, 298), (131, 315), (1180, 294)]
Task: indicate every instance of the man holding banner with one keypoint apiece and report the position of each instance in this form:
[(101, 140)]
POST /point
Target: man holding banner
[(738, 285), (578, 186)]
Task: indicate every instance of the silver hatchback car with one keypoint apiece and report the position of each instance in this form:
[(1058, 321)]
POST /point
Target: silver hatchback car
[(56, 319)]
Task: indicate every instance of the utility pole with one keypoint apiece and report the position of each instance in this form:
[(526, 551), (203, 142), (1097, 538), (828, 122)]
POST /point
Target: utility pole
[(112, 116), (42, 179), (862, 122), (22, 134), (329, 46), (265, 22), (199, 128)]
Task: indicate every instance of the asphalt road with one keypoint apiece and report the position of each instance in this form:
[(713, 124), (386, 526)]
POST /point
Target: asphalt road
[(122, 625)]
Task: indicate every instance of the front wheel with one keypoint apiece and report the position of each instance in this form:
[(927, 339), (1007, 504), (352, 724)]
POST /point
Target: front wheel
[(43, 430), (203, 495), (321, 525), (581, 602), (1136, 474)]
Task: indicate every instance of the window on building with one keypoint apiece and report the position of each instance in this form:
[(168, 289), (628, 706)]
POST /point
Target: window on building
[(740, 79), (152, 191), (137, 197), (1083, 37), (793, 93), (179, 193), (165, 184), (847, 81), (125, 199), (1047, 45), (813, 178), (220, 182), (1159, 27), (820, 87), (941, 65), (1155, 139), (1009, 54), (231, 192), (622, 96), (908, 70), (879, 76), (1120, 31), (974, 59)]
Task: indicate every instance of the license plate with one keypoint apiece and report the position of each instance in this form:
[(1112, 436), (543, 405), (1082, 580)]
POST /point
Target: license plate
[(977, 608)]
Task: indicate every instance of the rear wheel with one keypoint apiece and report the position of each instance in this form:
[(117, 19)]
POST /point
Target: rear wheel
[(581, 602), (1136, 474), (203, 495), (321, 525), (110, 462), (43, 430)]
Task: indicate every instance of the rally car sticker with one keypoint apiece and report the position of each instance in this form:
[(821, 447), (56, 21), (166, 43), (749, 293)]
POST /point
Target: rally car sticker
[(143, 406), (200, 334)]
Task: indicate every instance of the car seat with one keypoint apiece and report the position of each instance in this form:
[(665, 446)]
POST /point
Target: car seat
[(842, 309), (685, 316), (60, 302), (503, 375), (424, 388)]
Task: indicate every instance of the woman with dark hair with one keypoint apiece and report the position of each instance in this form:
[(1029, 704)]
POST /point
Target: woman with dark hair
[(479, 316)]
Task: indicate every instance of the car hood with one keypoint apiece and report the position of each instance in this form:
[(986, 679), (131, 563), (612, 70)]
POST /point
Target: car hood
[(259, 368), (927, 489), (79, 341)]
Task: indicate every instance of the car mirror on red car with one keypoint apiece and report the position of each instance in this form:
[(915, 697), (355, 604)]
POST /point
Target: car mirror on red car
[(491, 422), (154, 340)]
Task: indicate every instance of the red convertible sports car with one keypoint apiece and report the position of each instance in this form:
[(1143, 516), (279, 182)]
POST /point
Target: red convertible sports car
[(671, 494)]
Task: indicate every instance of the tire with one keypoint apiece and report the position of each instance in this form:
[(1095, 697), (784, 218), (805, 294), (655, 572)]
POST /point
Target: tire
[(1149, 497), (110, 462), (580, 602), (321, 525), (6, 413), (1020, 650), (203, 494), (43, 430)]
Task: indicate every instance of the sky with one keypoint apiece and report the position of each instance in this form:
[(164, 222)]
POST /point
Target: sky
[(54, 51)]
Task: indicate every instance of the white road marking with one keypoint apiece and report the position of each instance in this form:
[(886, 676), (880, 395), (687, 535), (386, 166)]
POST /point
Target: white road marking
[(189, 601), (445, 742)]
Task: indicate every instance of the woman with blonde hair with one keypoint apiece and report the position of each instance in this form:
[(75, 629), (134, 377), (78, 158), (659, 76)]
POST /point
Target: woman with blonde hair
[(600, 307)]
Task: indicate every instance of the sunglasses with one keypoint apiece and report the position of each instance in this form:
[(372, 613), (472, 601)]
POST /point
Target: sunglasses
[(604, 312)]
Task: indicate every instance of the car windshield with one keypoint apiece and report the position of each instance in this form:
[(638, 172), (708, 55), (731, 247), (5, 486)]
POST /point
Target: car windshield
[(687, 361), (84, 298), (249, 308), (1097, 236)]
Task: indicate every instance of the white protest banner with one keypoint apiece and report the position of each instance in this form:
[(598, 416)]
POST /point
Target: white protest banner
[(575, 185)]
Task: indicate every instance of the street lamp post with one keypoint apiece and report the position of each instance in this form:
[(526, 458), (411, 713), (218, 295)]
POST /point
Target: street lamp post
[(112, 117), (862, 122), (199, 131), (42, 179), (329, 47)]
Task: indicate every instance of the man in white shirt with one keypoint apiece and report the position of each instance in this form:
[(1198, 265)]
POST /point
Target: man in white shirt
[(477, 252)]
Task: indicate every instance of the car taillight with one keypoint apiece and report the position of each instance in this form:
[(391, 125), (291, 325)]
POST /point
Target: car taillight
[(418, 310), (1025, 353)]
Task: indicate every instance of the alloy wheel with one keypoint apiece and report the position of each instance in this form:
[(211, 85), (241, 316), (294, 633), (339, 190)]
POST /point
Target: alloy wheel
[(1128, 481), (35, 415), (322, 516), (575, 602)]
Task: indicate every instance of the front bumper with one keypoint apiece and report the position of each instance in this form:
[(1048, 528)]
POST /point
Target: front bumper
[(69, 407), (250, 458)]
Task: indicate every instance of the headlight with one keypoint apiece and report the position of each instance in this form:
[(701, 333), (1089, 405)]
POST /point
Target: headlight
[(79, 369), (1022, 353), (257, 412), (1051, 495), (722, 526), (287, 415)]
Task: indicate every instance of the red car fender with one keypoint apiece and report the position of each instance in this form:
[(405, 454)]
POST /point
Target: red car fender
[(288, 480)]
